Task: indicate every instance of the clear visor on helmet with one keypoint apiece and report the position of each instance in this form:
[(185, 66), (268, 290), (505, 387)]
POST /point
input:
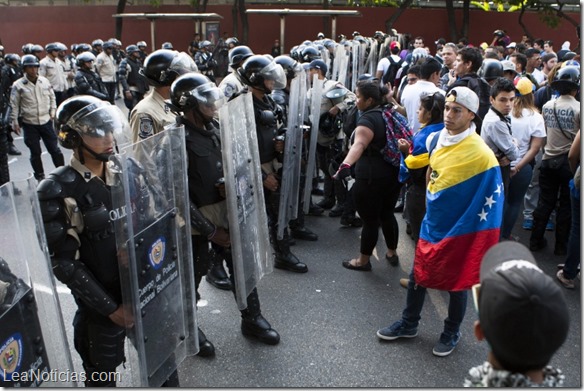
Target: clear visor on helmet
[(275, 72), (100, 121), (183, 63), (209, 95)]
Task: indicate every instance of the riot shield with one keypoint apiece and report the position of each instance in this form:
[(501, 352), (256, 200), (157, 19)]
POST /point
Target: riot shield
[(356, 55), (315, 101), (248, 222), (371, 63), (33, 345), (342, 59), (290, 183), (156, 266)]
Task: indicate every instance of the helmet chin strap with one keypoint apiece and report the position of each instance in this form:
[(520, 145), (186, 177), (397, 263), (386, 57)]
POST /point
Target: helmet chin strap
[(103, 157)]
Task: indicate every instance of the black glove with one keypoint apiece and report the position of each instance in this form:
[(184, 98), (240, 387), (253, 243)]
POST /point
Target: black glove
[(343, 172)]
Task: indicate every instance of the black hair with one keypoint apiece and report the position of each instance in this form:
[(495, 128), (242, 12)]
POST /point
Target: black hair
[(428, 67), (415, 69), (520, 59), (433, 104), (472, 55), (539, 41), (374, 90), (502, 84)]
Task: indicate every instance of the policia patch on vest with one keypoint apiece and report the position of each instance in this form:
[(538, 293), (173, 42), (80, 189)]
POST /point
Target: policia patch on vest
[(146, 127)]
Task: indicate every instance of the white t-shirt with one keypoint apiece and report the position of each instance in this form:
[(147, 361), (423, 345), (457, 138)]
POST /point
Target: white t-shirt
[(531, 124), (410, 99), (538, 75), (384, 63)]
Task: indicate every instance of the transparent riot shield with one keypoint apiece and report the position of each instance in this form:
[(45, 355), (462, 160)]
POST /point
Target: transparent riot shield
[(156, 266), (248, 222), (342, 59), (290, 183), (315, 101), (33, 344), (325, 55), (371, 63), (356, 55)]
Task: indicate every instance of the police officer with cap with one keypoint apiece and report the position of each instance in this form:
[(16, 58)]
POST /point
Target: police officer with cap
[(76, 203), (198, 98)]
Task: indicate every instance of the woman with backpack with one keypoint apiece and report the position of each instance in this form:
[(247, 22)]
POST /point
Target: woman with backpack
[(376, 186)]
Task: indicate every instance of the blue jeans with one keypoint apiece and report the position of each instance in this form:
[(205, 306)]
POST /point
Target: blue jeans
[(415, 302), (517, 187), (573, 256)]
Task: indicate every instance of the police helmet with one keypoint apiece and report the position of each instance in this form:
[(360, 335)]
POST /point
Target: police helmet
[(12, 58), (567, 78), (238, 54), (232, 41), (366, 76), (320, 36), (204, 44), (163, 66), (29, 60), (37, 49), (329, 43), (27, 48), (290, 65), (190, 91), (132, 49), (359, 39), (97, 42), (61, 47), (73, 47), (310, 53), (294, 53), (418, 54), (379, 34), (83, 47), (108, 45), (84, 58), (257, 69), (355, 33), (491, 69), (50, 47), (167, 45), (307, 43), (141, 44), (87, 116)]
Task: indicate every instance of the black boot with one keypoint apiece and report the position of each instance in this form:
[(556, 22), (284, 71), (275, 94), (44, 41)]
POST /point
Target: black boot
[(336, 210), (206, 348), (299, 230), (537, 240), (217, 276), (12, 150), (315, 210), (253, 324), (285, 259)]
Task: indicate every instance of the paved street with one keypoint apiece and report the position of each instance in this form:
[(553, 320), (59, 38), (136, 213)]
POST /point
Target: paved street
[(328, 317)]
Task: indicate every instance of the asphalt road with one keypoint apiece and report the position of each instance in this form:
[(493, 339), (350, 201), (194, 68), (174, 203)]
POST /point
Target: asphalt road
[(328, 317)]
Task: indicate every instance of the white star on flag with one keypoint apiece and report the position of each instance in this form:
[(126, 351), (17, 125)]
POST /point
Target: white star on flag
[(489, 201), (498, 191), (483, 215)]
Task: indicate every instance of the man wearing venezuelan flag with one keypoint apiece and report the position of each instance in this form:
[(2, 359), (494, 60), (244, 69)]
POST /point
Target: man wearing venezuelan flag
[(464, 209)]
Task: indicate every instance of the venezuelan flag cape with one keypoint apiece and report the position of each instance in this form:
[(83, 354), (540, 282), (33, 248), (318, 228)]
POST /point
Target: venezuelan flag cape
[(464, 210), (418, 157)]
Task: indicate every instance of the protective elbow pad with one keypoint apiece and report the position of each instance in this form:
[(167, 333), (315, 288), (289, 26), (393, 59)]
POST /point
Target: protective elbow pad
[(83, 285), (200, 222)]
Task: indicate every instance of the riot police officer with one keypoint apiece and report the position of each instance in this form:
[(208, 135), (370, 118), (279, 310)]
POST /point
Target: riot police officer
[(205, 61), (76, 205), (282, 97), (262, 76), (197, 97), (230, 84), (9, 73), (150, 116), (87, 81), (134, 85)]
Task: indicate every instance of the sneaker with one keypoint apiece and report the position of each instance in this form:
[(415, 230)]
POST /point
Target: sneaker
[(550, 226), (395, 331), (444, 348), (569, 284), (527, 224)]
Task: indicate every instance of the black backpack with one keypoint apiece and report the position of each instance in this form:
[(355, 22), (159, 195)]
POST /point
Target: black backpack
[(389, 75)]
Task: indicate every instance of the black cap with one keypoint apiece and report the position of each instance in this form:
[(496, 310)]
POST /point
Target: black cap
[(318, 64), (522, 311)]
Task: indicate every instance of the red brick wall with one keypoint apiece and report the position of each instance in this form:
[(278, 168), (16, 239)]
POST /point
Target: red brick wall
[(19, 25)]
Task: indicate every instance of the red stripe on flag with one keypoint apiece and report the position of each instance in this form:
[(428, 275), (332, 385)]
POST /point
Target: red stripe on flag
[(453, 264)]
